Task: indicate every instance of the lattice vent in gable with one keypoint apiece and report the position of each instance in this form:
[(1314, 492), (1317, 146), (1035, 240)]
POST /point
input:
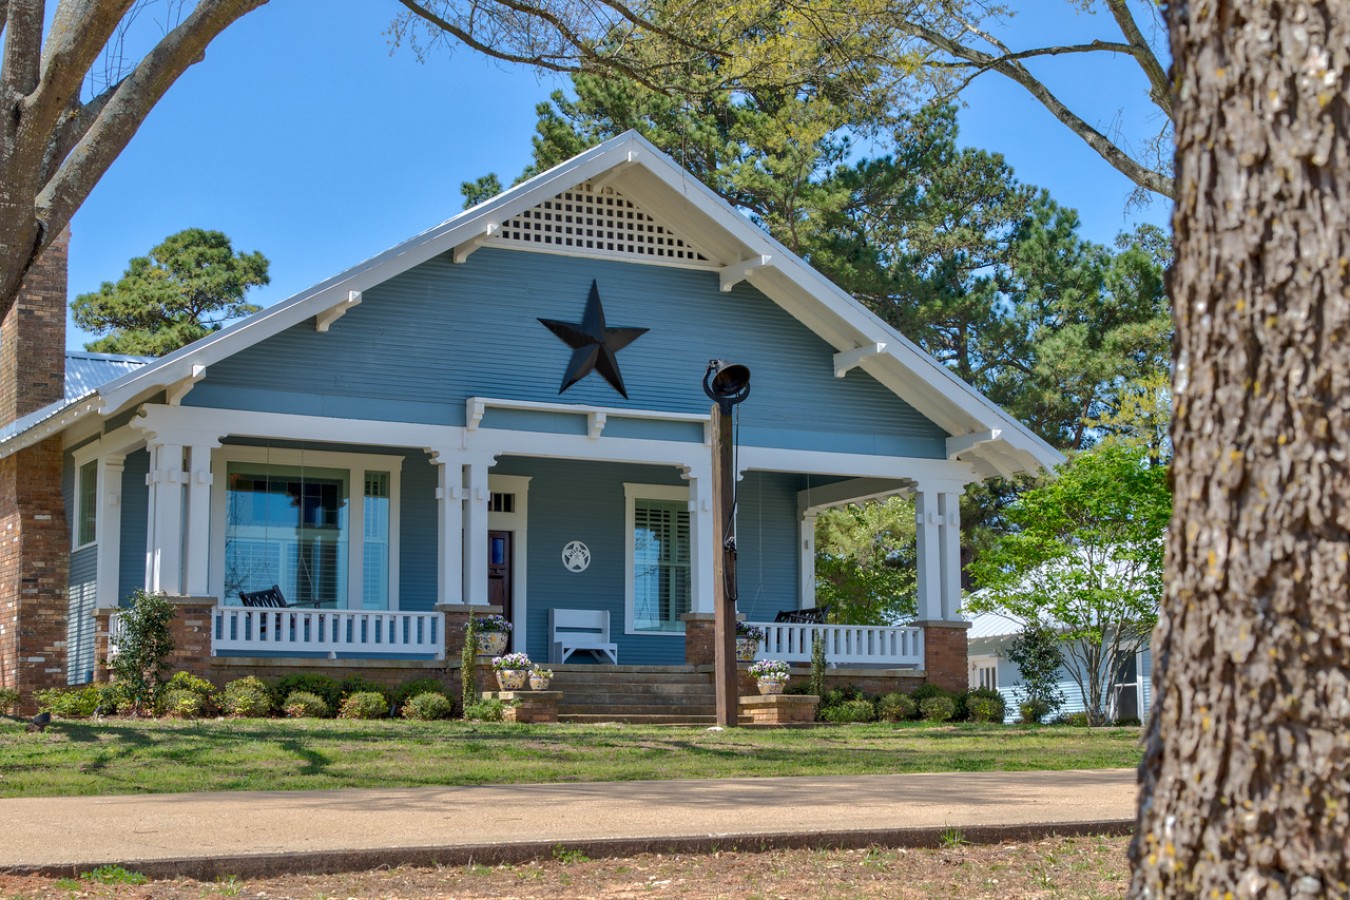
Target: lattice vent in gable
[(604, 223)]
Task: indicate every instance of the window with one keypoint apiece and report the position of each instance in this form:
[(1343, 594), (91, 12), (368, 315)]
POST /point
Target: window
[(86, 504), (984, 672), (322, 526), (659, 583)]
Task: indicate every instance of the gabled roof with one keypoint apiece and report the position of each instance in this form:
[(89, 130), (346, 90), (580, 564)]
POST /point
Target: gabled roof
[(85, 372), (721, 238)]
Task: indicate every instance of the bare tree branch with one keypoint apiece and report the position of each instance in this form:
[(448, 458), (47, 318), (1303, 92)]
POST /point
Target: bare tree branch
[(1012, 68), (1161, 93)]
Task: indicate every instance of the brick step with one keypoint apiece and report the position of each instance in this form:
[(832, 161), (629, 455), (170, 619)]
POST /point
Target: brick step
[(644, 709), (569, 668), (636, 690), (702, 721), (631, 678)]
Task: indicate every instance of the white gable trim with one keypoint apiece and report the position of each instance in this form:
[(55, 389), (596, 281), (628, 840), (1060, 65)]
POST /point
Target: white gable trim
[(689, 209)]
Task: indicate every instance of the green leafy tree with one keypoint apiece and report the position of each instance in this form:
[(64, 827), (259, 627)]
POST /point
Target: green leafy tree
[(143, 648), (189, 286), (1036, 653), (1085, 556), (865, 561)]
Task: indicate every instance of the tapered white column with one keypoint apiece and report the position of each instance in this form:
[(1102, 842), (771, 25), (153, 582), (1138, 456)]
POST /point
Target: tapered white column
[(198, 536), (807, 563), (164, 531), (949, 553), (929, 555), (701, 551), (476, 532), (450, 519), (108, 529)]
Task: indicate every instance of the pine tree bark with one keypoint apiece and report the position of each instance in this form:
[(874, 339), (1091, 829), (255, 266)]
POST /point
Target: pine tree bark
[(1246, 776)]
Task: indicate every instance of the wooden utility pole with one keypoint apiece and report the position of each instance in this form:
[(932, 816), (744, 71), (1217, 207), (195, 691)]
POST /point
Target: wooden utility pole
[(724, 570)]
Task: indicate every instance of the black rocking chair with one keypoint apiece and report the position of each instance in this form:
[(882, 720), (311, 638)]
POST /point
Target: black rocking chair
[(814, 616)]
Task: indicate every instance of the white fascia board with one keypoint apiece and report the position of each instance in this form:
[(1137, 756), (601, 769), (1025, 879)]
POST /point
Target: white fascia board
[(365, 275), (934, 473)]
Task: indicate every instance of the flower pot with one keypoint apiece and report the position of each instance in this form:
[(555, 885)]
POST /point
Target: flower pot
[(512, 679), (539, 682), (746, 648), (491, 643), (771, 685)]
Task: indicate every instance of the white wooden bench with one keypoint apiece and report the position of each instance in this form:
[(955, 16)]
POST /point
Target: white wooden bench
[(571, 630)]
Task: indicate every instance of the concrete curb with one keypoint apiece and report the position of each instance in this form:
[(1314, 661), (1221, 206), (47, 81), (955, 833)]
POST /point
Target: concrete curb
[(262, 865)]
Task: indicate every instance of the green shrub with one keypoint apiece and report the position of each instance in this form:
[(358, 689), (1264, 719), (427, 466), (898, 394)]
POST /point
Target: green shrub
[(326, 689), (427, 706), (838, 696), (143, 648), (247, 698), (181, 704), (491, 710), (468, 665), (938, 708), (896, 708), (69, 703), (984, 709), (113, 699), (304, 705), (850, 711), (1076, 719), (364, 705), (355, 684), (927, 690), (9, 699), (817, 687), (410, 689), (1032, 711), (984, 705)]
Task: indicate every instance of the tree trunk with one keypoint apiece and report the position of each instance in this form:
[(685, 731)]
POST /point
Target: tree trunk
[(1246, 775)]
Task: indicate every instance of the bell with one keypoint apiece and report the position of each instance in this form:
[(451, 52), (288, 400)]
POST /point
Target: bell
[(727, 383)]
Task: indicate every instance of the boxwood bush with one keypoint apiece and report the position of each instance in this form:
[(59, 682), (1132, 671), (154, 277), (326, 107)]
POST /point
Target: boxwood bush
[(427, 706), (364, 705), (329, 690), (938, 708), (850, 711), (410, 689), (69, 703), (896, 708), (305, 705), (247, 698)]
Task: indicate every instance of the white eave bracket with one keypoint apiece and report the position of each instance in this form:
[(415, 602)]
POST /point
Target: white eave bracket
[(175, 392), (600, 182), (850, 359), (734, 274), (964, 443), (325, 319), (461, 253)]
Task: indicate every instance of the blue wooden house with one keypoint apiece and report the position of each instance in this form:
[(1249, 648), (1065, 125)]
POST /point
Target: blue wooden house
[(507, 411)]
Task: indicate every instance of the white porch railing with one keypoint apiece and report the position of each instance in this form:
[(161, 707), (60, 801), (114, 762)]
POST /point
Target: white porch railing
[(114, 634), (240, 629), (844, 644)]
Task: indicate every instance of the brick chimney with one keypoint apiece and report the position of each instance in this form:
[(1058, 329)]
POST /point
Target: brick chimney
[(34, 539)]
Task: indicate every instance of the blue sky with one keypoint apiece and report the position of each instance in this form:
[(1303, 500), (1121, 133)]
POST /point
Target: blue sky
[(303, 134)]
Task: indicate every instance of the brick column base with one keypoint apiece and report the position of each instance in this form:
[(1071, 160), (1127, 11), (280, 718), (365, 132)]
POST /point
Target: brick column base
[(946, 654), (699, 643), (780, 709), (527, 707), (456, 617)]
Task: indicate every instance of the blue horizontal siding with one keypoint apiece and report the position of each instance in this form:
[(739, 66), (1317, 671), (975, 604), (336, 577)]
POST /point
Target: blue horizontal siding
[(421, 343), (135, 508)]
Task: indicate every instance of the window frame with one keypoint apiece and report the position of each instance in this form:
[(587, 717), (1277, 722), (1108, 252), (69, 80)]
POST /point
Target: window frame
[(356, 465), (662, 492), (82, 459)]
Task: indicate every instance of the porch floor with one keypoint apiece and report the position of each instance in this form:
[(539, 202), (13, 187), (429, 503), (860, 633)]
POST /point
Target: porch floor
[(641, 695)]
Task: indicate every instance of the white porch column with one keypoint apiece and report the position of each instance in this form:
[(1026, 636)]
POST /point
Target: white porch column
[(929, 555), (949, 553), (198, 538), (450, 519), (164, 527), (108, 530), (475, 555), (702, 552), (807, 565)]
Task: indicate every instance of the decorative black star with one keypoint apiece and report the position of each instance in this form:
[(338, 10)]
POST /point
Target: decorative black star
[(594, 347)]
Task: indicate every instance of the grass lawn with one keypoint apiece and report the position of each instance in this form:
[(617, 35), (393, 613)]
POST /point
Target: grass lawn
[(120, 756)]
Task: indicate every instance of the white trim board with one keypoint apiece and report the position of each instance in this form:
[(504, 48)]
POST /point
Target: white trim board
[(632, 492)]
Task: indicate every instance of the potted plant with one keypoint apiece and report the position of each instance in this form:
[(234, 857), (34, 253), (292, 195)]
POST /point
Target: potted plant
[(513, 670), (770, 674), (748, 638), (493, 632), (540, 677)]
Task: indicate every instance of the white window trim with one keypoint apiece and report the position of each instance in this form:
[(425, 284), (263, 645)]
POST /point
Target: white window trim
[(82, 457), (518, 523), (356, 464), (633, 492)]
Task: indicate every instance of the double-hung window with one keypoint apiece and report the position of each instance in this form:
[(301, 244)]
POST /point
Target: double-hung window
[(658, 558), (322, 526)]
